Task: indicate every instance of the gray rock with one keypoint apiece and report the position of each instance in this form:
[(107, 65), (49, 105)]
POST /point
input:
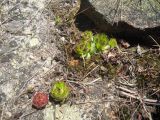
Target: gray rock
[(24, 40), (7, 58), (13, 26), (13, 44), (124, 15), (2, 97)]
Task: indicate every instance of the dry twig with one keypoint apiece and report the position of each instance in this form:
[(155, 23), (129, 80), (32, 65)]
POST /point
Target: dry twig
[(134, 95)]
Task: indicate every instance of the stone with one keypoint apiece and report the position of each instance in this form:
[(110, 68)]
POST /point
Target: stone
[(24, 39), (2, 97), (33, 42), (49, 112), (64, 112), (118, 16), (13, 26), (6, 58), (138, 13), (13, 44)]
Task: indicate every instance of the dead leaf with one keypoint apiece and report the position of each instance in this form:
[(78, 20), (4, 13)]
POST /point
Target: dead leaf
[(73, 63), (125, 44)]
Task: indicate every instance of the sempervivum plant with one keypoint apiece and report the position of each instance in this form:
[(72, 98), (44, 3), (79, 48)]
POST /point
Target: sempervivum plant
[(91, 44), (60, 91), (40, 100)]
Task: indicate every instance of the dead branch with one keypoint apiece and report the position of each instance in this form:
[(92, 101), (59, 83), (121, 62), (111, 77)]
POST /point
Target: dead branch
[(145, 100)]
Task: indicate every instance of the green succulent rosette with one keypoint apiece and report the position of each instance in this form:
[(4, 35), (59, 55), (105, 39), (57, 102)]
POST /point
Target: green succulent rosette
[(91, 44), (60, 91)]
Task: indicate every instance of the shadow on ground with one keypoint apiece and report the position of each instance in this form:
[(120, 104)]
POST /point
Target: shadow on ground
[(132, 35)]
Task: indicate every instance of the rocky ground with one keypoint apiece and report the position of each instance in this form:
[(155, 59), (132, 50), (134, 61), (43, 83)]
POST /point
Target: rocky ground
[(37, 48), (31, 58)]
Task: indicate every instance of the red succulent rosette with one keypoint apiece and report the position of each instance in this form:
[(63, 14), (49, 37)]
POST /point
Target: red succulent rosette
[(40, 100)]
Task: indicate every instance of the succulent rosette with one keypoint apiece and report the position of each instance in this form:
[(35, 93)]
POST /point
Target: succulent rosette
[(60, 91), (40, 100)]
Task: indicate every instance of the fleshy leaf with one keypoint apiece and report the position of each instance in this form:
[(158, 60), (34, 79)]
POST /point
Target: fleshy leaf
[(60, 91), (101, 42), (113, 43)]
